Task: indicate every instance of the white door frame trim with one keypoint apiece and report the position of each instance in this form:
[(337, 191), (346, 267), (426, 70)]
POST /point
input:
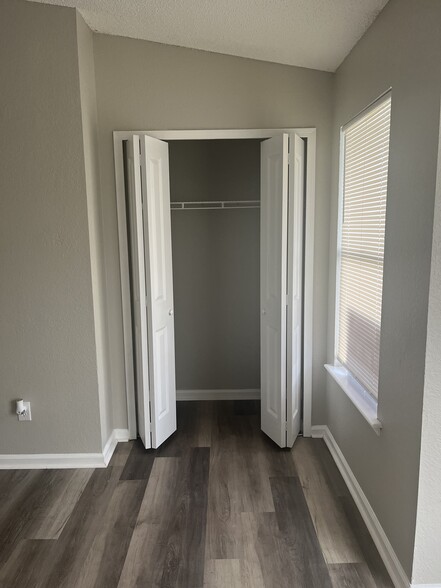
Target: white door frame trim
[(308, 287)]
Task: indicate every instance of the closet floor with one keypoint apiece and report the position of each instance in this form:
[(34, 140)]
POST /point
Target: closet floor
[(217, 506)]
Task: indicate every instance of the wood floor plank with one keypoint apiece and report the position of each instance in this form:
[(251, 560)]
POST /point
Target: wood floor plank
[(121, 454), (351, 576), (105, 560), (230, 430), (222, 573), (335, 535), (274, 566), (240, 482), (296, 527), (18, 520), (23, 567), (143, 564), (246, 407), (194, 421), (13, 485), (146, 554), (237, 426), (277, 462), (174, 512), (224, 535), (224, 528), (255, 478), (367, 546), (204, 422), (284, 560), (85, 522), (159, 496), (226, 429), (139, 463), (16, 487), (186, 543), (54, 512), (336, 481), (252, 574)]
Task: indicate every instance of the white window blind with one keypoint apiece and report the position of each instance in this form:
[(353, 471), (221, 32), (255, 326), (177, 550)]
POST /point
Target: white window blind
[(361, 248)]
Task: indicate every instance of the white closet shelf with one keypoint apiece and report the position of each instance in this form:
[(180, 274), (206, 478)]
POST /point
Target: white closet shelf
[(214, 204)]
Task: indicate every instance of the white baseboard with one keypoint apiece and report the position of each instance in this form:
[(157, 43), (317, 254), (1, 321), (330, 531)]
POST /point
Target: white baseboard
[(245, 394), (385, 549), (42, 461), (117, 435)]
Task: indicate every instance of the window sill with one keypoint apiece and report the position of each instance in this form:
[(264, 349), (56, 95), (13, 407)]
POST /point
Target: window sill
[(362, 400)]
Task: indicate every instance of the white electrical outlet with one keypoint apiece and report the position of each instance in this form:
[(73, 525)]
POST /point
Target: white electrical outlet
[(27, 415)]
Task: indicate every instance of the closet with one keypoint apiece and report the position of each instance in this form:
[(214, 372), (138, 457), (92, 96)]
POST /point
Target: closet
[(215, 229), (215, 241)]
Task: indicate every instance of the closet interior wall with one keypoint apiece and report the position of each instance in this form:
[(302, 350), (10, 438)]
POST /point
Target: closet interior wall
[(216, 258)]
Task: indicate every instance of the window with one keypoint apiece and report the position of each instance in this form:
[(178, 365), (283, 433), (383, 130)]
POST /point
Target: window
[(365, 156)]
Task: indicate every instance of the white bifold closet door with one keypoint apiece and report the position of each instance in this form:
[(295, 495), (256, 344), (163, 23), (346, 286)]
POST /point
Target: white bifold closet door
[(153, 285), (281, 286), (139, 309)]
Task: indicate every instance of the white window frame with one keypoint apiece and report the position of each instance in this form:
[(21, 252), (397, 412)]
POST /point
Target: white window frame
[(365, 402)]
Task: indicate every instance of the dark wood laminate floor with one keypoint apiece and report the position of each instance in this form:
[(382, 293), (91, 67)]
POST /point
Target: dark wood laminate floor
[(217, 506)]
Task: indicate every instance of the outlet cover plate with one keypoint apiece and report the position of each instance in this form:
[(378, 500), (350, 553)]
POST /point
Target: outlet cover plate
[(27, 416)]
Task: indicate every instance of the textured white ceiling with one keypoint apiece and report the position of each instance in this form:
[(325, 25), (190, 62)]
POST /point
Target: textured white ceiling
[(308, 33)]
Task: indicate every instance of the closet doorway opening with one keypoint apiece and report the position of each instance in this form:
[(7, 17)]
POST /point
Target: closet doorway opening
[(215, 228), (226, 312)]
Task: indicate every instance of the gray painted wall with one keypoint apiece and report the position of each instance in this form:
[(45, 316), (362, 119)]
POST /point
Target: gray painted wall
[(142, 85), (91, 160), (216, 277), (427, 562), (47, 323), (402, 50)]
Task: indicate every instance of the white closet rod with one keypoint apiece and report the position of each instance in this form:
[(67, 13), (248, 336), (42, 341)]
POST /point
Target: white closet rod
[(215, 204)]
